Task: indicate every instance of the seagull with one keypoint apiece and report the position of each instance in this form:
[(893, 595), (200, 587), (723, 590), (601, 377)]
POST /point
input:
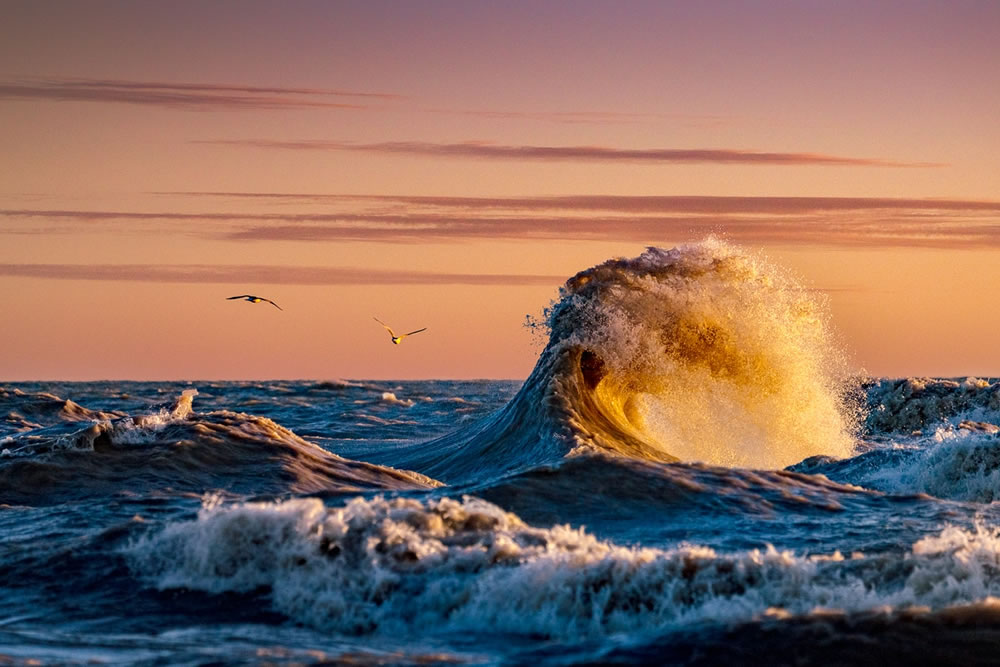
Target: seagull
[(254, 299), (396, 340)]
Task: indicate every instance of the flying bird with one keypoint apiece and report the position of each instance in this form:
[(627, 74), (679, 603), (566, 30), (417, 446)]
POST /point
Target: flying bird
[(396, 340), (254, 299)]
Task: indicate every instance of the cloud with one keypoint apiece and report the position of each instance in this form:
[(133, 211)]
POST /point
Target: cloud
[(184, 96), (636, 204), (264, 275), (284, 275), (585, 117), (113, 84), (823, 221), (491, 151), (230, 96), (876, 233)]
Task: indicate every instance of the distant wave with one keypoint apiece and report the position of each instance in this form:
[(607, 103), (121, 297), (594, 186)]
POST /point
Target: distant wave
[(102, 432), (699, 353), (406, 566), (961, 464), (175, 447), (336, 385), (945, 435), (954, 463), (915, 404), (25, 410), (389, 397)]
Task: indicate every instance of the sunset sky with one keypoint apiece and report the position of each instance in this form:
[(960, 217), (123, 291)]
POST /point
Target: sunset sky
[(449, 164)]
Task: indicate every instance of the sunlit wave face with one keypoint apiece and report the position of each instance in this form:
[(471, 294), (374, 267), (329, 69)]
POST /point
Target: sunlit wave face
[(711, 353)]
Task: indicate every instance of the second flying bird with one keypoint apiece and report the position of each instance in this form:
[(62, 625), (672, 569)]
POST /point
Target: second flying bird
[(396, 340)]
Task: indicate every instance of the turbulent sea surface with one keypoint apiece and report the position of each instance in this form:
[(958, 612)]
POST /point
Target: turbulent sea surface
[(688, 476)]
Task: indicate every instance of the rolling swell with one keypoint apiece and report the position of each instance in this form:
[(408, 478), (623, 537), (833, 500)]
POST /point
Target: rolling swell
[(608, 491), (24, 411), (177, 450), (699, 353), (963, 634)]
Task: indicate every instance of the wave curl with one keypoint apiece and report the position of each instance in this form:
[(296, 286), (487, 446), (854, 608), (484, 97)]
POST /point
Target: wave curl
[(699, 353)]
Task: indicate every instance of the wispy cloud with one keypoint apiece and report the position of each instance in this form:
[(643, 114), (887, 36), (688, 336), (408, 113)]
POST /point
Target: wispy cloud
[(878, 232), (623, 203), (264, 275), (829, 221), (491, 151), (585, 117), (283, 275), (186, 96), (117, 84)]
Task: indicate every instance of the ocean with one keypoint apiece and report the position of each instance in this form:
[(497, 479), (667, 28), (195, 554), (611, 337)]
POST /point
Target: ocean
[(690, 475)]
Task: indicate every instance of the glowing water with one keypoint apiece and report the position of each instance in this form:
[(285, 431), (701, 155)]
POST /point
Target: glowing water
[(708, 353)]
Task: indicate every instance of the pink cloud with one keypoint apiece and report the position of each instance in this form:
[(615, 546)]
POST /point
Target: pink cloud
[(276, 275), (484, 150)]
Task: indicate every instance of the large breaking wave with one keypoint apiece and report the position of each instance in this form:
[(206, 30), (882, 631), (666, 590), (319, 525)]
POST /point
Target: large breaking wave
[(700, 353)]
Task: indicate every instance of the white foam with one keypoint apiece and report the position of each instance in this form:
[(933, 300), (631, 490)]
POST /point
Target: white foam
[(389, 397), (403, 566), (953, 463), (143, 429)]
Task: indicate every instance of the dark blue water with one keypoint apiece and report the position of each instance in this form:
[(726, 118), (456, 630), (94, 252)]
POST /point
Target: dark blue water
[(265, 523)]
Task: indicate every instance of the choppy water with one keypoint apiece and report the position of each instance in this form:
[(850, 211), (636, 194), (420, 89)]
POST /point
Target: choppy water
[(817, 518)]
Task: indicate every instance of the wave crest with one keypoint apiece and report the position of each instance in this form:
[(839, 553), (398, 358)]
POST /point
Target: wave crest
[(177, 448), (913, 404), (699, 353), (26, 410), (407, 566)]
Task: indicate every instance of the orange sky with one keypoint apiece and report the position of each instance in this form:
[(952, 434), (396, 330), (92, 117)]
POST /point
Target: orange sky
[(449, 164)]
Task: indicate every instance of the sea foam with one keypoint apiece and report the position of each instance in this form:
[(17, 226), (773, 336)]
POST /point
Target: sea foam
[(405, 566)]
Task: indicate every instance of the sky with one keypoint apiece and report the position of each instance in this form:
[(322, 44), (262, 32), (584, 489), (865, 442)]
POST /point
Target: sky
[(449, 164)]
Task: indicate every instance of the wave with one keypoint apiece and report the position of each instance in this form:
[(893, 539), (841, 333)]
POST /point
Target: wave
[(954, 463), (622, 492), (29, 410), (402, 566), (699, 353), (963, 464), (915, 404), (91, 430), (964, 634), (392, 399), (177, 448), (336, 385)]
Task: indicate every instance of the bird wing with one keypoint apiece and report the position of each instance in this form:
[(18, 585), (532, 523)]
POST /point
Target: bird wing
[(241, 296), (386, 326), (413, 332), (274, 304)]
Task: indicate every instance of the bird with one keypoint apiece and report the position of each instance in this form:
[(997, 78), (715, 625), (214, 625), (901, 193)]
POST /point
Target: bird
[(396, 340), (254, 299)]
